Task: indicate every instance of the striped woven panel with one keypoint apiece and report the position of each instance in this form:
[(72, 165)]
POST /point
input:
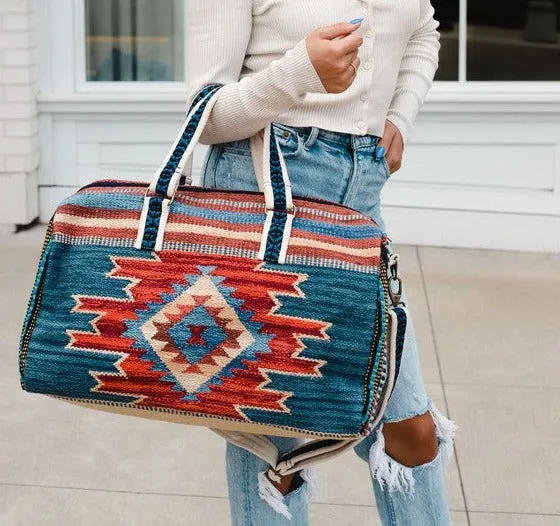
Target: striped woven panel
[(214, 222)]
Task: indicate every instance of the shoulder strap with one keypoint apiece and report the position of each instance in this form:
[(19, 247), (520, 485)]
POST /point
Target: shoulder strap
[(310, 453)]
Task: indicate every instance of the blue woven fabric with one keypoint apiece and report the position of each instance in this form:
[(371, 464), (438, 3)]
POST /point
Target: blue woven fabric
[(276, 177), (332, 403), (401, 331), (162, 186), (275, 237)]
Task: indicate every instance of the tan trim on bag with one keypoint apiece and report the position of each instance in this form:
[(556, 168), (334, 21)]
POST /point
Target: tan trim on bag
[(203, 421)]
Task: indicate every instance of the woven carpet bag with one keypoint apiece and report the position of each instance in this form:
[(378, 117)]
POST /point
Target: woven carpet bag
[(251, 313)]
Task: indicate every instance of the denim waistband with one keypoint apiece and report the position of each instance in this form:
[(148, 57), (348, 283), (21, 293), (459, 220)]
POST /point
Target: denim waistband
[(311, 133)]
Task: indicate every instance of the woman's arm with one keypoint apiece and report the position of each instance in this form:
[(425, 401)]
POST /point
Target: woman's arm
[(418, 67), (217, 36)]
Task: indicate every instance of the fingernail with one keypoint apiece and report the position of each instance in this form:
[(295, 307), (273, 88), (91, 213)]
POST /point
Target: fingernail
[(356, 20), (380, 152)]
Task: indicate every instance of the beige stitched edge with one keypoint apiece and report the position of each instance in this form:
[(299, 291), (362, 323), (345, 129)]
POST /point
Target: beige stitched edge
[(244, 427)]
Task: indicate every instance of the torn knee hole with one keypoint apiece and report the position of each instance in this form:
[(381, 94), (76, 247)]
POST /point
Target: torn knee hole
[(394, 475), (287, 483), (275, 498), (412, 442)]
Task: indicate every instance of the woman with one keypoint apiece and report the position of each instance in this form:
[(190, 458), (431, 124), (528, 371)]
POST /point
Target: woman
[(342, 96)]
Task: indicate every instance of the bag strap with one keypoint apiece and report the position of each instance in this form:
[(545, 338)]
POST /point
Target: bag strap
[(167, 177), (310, 453), (313, 451), (318, 450), (275, 184), (257, 155)]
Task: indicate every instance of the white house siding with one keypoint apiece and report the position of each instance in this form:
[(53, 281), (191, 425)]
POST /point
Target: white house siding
[(19, 143), (476, 174)]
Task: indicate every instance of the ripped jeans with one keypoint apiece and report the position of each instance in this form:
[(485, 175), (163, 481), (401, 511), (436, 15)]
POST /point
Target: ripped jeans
[(342, 168)]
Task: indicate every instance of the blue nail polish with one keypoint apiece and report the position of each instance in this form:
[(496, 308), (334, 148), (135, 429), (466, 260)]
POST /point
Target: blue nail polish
[(380, 152), (356, 20)]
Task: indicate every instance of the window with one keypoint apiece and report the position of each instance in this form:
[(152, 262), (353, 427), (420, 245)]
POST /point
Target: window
[(513, 40), (499, 40), (481, 40), (134, 40), (447, 14)]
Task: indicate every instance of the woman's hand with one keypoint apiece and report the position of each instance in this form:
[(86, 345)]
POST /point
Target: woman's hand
[(332, 56), (392, 141)]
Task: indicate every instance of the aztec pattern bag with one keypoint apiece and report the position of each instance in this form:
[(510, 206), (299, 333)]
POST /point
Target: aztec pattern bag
[(251, 313)]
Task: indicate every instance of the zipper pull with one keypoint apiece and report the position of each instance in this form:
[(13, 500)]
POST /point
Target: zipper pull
[(395, 282)]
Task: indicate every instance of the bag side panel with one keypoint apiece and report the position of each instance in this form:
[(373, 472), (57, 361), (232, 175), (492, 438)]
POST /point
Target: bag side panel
[(33, 307)]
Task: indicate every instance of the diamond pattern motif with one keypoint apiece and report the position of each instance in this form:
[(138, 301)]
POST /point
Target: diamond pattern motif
[(200, 334), (197, 334), (202, 297)]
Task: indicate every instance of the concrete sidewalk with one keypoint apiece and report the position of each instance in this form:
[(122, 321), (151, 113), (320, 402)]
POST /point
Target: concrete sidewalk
[(489, 330)]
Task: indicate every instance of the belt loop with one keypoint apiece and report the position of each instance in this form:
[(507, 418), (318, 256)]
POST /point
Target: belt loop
[(354, 140), (312, 137)]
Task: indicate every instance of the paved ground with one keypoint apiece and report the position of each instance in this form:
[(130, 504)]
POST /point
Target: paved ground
[(489, 328)]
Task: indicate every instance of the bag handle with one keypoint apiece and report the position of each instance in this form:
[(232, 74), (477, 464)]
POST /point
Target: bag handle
[(276, 185)]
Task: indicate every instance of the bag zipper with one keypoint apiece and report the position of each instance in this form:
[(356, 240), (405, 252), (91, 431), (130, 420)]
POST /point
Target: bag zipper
[(202, 189), (386, 300), (28, 329)]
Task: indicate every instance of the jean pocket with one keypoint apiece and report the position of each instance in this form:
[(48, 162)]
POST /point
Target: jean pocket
[(290, 138), (208, 165), (386, 167), (233, 170), (240, 147)]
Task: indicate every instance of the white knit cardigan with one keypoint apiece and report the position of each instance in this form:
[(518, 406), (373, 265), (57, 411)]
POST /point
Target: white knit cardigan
[(257, 49)]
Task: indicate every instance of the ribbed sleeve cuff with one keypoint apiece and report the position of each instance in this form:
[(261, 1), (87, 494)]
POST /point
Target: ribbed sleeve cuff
[(300, 72), (401, 124)]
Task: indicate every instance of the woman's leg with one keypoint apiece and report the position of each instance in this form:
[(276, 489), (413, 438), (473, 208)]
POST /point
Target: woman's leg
[(408, 452), (253, 501), (408, 480)]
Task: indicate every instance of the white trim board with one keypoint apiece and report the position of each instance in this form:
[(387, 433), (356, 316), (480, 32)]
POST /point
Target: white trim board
[(505, 98), (468, 229), (460, 170)]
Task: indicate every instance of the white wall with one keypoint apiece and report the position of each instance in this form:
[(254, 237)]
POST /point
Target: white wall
[(482, 170), (19, 144)]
